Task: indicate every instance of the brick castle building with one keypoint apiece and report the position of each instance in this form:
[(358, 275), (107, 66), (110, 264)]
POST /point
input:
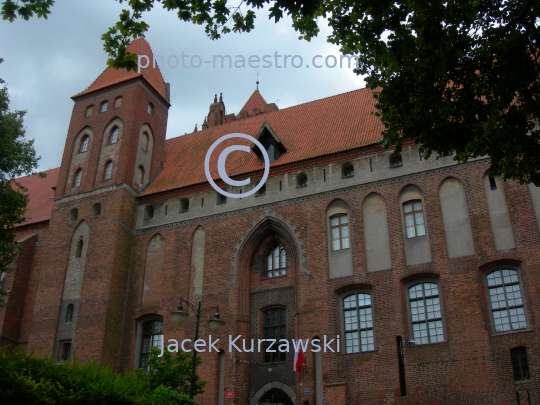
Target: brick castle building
[(426, 271)]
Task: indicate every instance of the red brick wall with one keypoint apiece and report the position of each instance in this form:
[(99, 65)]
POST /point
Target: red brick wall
[(472, 366)]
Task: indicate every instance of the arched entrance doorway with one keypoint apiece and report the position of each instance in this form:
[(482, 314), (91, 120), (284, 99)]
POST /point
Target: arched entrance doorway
[(274, 392), (275, 397)]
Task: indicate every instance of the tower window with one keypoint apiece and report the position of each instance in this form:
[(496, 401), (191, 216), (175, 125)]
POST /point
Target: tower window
[(276, 262), (78, 178), (144, 142), (65, 350), (108, 170), (73, 214), (84, 144), (150, 108), (69, 313), (118, 102), (140, 175), (79, 251), (89, 110), (103, 106), (114, 136), (96, 209)]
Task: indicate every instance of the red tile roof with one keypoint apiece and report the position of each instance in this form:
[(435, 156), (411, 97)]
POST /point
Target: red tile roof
[(112, 76), (41, 195), (254, 101), (322, 127)]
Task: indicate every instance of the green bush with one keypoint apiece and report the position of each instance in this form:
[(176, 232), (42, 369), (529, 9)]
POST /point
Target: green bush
[(30, 380)]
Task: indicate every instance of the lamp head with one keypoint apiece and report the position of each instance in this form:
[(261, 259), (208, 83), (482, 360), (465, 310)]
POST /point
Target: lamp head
[(179, 316), (216, 324)]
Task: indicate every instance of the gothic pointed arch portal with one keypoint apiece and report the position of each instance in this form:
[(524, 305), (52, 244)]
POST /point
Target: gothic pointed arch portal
[(257, 291), (274, 393)]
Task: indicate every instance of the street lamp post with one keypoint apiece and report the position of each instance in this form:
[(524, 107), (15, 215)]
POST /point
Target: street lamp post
[(179, 316)]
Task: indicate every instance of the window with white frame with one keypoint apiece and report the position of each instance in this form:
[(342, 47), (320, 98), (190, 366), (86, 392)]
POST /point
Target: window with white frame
[(358, 323), (426, 313), (276, 262), (506, 300), (414, 218), (339, 225)]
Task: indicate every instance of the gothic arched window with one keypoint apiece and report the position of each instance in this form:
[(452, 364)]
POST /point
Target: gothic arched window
[(114, 136), (84, 144)]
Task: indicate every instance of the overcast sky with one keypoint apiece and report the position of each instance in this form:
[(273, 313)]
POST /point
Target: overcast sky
[(48, 61)]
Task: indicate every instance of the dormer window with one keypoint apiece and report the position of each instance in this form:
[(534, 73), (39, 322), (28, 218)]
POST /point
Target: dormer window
[(271, 143)]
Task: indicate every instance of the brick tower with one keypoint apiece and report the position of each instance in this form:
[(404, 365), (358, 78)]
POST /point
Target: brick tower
[(114, 147)]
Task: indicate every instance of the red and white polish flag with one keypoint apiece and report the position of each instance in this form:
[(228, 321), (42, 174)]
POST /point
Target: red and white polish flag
[(298, 360)]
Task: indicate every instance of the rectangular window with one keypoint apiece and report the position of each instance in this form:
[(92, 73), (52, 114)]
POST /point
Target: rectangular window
[(103, 106), (425, 313), (64, 352), (414, 219), (520, 364), (358, 323), (275, 327), (507, 308), (339, 225), (151, 336)]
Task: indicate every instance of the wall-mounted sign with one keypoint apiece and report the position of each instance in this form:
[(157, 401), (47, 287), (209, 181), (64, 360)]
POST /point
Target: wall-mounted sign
[(229, 394), (306, 389)]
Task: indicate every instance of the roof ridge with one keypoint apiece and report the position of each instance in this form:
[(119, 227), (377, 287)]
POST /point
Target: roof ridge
[(267, 113)]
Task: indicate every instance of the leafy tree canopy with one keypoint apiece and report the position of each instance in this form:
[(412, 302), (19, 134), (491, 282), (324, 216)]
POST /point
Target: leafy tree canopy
[(17, 158), (460, 77)]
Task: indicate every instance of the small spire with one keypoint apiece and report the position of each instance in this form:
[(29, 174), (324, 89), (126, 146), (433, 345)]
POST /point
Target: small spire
[(215, 98), (195, 130), (220, 97), (257, 74), (204, 124)]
